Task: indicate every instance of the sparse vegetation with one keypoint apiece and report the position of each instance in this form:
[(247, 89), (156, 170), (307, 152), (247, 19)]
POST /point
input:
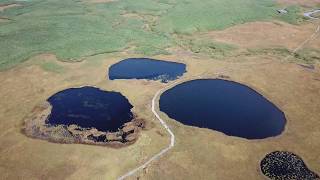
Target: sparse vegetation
[(277, 51), (305, 56), (316, 15), (53, 67), (207, 47), (308, 55)]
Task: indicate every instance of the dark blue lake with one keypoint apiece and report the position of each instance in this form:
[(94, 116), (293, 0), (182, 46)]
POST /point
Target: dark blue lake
[(90, 107), (144, 68), (224, 106)]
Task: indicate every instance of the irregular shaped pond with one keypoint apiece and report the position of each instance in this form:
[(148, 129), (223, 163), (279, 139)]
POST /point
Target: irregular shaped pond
[(285, 165), (144, 68), (90, 107), (225, 106)]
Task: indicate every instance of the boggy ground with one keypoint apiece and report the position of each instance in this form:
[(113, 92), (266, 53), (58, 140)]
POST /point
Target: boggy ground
[(198, 153)]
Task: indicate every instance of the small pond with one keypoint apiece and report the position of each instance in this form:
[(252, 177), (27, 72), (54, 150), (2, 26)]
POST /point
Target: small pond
[(144, 68), (90, 107), (224, 106)]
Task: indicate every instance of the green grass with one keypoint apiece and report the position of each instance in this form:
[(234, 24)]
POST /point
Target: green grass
[(209, 48), (293, 16), (52, 67), (72, 29), (188, 16)]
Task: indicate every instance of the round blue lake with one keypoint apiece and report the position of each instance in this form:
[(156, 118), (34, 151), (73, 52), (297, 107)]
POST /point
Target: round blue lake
[(90, 107), (144, 68), (224, 106)]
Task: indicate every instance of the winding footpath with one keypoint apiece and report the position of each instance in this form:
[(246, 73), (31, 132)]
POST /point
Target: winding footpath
[(164, 124)]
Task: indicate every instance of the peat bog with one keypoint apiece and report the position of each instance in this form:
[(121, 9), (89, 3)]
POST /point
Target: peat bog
[(224, 106), (85, 115), (145, 68), (285, 165)]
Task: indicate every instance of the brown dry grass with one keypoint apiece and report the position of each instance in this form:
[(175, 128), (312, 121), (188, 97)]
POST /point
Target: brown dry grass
[(199, 153), (264, 35)]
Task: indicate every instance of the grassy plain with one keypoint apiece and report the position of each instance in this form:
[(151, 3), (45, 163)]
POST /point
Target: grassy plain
[(50, 45), (73, 30)]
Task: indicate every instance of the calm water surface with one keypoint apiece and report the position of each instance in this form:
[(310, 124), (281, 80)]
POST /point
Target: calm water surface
[(90, 107), (224, 106), (144, 68)]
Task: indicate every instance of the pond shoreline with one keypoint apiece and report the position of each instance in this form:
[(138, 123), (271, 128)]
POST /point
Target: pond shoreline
[(36, 127)]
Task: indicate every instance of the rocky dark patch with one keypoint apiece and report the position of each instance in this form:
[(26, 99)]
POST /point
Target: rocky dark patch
[(282, 165)]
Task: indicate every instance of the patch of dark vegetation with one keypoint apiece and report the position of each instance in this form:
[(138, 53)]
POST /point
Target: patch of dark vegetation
[(308, 55), (277, 51), (281, 165), (212, 49), (307, 66), (305, 56), (223, 76)]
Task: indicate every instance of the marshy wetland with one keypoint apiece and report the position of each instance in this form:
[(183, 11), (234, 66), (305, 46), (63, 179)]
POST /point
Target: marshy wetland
[(48, 47)]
